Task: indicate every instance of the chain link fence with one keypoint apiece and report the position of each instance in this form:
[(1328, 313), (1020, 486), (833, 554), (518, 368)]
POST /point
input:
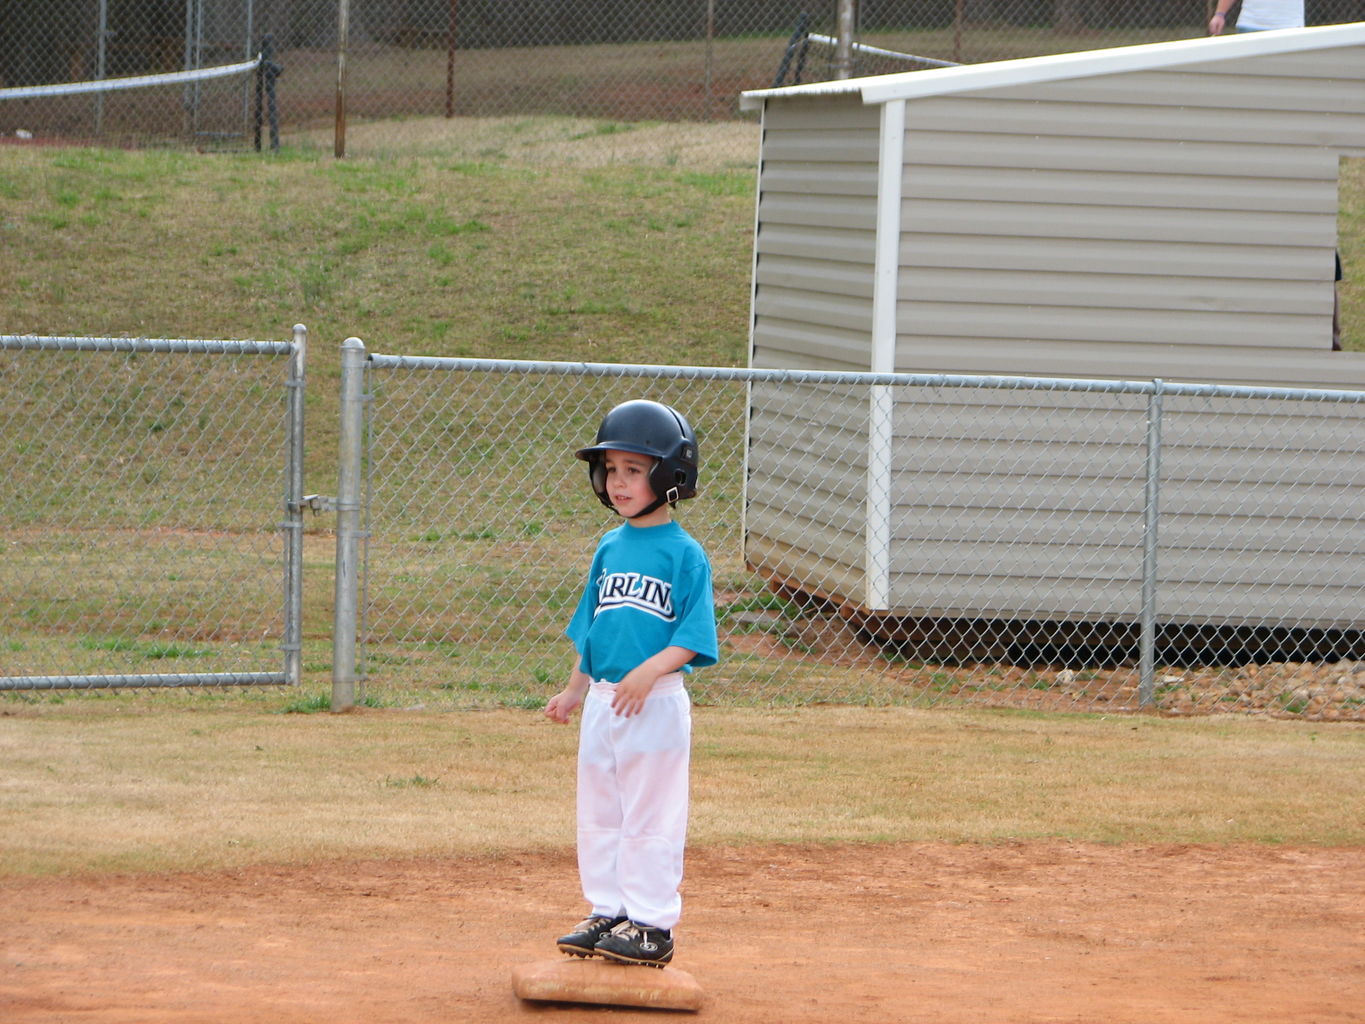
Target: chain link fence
[(1051, 545), (1067, 560), (614, 60), (141, 518)]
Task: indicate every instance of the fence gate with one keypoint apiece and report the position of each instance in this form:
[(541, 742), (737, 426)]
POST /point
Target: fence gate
[(141, 539)]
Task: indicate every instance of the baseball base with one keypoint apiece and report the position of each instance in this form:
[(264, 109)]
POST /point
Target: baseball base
[(608, 984)]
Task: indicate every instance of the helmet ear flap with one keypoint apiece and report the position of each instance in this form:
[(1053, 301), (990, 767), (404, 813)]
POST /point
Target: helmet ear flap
[(670, 482), (676, 492), (597, 476)]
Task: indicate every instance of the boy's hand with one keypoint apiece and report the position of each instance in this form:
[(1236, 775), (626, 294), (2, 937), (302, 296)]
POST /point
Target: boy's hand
[(562, 705), (566, 701), (628, 697)]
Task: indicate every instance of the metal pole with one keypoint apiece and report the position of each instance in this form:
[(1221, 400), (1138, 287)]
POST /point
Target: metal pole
[(451, 43), (1150, 516), (187, 64), (343, 35), (198, 59), (346, 609), (128, 682), (267, 71), (272, 111), (710, 55), (194, 59), (293, 520), (247, 54), (843, 49), (258, 110), (101, 66)]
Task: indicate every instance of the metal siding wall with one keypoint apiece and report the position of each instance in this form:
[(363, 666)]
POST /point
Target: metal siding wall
[(808, 452), (816, 229), (1105, 224), (1018, 505), (1237, 544), (812, 308), (1222, 364), (1170, 207), (1030, 506), (1172, 223)]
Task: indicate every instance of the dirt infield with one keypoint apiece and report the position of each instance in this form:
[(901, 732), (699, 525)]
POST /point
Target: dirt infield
[(910, 932)]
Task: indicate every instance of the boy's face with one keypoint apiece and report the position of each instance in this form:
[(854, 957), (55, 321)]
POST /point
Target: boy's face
[(628, 481)]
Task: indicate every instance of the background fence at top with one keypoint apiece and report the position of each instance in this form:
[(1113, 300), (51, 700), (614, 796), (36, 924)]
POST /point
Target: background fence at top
[(481, 524), (619, 60)]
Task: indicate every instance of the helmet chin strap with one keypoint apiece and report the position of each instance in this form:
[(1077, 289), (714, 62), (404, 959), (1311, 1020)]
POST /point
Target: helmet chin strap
[(670, 498), (645, 511)]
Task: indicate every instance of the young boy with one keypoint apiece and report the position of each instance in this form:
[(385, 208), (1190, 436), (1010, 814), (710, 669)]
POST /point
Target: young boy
[(645, 619)]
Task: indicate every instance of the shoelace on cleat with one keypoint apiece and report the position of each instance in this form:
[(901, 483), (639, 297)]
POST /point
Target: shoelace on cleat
[(632, 932)]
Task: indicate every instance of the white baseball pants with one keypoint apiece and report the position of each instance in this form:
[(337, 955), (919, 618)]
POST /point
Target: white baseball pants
[(632, 803)]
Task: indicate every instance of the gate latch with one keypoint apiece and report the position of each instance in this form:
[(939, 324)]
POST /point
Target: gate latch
[(315, 503)]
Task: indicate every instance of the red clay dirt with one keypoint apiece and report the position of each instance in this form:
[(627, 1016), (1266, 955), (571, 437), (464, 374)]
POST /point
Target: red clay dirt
[(1027, 932)]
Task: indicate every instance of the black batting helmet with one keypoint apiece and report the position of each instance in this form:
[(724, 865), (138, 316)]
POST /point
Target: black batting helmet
[(653, 429)]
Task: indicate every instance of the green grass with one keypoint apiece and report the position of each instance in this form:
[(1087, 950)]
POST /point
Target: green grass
[(412, 254), (313, 702)]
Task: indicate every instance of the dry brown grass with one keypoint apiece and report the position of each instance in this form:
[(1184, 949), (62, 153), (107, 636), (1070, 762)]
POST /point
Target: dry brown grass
[(539, 141), (131, 784)]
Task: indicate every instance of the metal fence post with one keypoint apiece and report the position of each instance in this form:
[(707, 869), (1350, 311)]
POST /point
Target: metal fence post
[(350, 460), (267, 108), (258, 108), (1150, 517), (343, 41), (846, 18), (293, 521)]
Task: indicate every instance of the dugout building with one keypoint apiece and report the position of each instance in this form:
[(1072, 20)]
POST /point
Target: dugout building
[(1161, 211)]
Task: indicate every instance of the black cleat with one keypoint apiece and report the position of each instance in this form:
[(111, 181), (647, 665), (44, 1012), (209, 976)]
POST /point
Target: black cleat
[(631, 943), (583, 939)]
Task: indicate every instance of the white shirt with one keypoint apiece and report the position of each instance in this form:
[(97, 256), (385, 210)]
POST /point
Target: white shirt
[(1262, 15)]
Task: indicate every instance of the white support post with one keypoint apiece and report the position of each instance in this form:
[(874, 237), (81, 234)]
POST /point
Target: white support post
[(880, 433)]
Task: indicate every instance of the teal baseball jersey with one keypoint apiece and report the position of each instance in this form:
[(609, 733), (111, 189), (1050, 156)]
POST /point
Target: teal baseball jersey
[(648, 588)]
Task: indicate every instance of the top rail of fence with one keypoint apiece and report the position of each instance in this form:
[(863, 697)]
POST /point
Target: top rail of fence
[(24, 92), (74, 344), (934, 380)]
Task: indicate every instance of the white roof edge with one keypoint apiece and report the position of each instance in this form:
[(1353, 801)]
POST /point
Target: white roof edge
[(1056, 67)]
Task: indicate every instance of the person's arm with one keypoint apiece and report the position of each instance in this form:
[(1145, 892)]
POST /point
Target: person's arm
[(628, 696), (1219, 20), (566, 701)]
